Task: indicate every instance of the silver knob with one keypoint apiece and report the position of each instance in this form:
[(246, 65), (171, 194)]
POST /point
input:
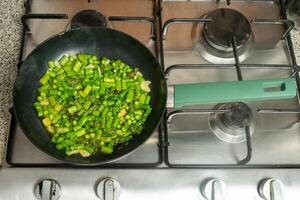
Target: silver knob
[(109, 189), (47, 189), (271, 189), (214, 189)]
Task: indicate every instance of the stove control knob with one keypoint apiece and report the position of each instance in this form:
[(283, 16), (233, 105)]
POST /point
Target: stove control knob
[(47, 189), (271, 189), (214, 189), (108, 189)]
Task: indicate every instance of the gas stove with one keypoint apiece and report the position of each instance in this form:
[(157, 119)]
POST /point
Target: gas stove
[(226, 151)]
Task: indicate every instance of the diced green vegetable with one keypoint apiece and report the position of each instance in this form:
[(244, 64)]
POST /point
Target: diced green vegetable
[(90, 104)]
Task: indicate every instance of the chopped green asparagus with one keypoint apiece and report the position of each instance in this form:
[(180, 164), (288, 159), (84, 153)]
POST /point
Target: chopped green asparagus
[(90, 104)]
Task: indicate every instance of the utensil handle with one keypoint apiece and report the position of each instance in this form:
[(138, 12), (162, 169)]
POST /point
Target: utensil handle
[(232, 91)]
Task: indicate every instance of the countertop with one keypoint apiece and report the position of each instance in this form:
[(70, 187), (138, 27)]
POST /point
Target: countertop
[(296, 42), (10, 36)]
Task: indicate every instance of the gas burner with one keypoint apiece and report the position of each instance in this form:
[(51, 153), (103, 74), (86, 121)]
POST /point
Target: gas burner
[(230, 126), (216, 44), (88, 18), (226, 24)]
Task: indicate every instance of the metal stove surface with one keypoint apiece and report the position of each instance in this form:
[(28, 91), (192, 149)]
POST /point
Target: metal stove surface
[(276, 136), (196, 164)]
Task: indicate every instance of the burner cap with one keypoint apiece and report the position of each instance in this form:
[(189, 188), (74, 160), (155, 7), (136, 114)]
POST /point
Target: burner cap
[(88, 18), (226, 23), (239, 116), (229, 126)]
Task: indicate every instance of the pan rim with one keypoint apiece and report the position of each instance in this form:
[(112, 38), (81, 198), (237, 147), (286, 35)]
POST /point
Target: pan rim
[(162, 111)]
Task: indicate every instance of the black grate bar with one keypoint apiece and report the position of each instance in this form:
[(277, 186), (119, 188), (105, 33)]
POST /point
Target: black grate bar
[(278, 111), (160, 35), (181, 21), (136, 19), (193, 112), (249, 147), (229, 166), (25, 17), (236, 58), (294, 73), (290, 24), (228, 66), (27, 5), (26, 28)]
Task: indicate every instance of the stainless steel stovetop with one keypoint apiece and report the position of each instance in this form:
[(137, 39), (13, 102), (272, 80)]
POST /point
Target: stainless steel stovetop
[(186, 158)]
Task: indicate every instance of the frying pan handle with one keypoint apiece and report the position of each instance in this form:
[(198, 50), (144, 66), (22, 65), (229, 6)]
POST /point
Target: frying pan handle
[(231, 91)]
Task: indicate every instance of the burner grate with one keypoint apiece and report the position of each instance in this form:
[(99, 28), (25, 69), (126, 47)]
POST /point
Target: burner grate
[(77, 21), (159, 38), (234, 44)]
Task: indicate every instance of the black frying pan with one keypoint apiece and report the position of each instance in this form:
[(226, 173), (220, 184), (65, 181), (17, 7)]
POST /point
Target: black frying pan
[(101, 42)]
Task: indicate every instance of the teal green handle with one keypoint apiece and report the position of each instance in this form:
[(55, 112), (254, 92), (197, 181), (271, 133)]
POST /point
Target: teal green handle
[(232, 91)]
